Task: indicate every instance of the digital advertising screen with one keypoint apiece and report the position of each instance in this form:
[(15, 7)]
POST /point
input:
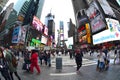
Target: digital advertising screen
[(97, 21), (111, 34)]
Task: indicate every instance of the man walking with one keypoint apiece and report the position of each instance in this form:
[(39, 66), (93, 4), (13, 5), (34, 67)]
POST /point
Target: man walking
[(78, 59)]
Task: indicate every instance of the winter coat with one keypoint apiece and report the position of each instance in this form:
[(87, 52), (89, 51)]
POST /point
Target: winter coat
[(9, 60), (34, 58), (78, 57), (3, 65)]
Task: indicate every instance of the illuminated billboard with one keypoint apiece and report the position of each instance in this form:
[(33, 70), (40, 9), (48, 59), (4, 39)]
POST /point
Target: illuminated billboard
[(45, 30), (96, 18), (111, 34), (19, 35), (84, 33), (35, 42), (44, 40), (16, 35), (37, 24)]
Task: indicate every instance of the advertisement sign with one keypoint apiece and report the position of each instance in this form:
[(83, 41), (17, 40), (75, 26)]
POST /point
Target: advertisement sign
[(19, 35), (43, 40), (45, 30), (16, 35), (35, 42), (37, 24), (82, 20), (88, 33), (22, 34), (106, 8), (96, 18), (111, 34)]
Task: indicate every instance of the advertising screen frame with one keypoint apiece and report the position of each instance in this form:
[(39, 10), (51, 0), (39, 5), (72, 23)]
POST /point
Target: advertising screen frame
[(96, 17), (111, 34)]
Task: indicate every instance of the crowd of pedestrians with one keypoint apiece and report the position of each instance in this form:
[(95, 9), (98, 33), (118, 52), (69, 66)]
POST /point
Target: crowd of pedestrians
[(33, 58)]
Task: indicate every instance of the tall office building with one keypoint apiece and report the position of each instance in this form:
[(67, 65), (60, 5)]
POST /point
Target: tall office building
[(2, 4), (79, 5), (18, 5), (11, 19), (61, 33), (40, 7), (24, 8), (49, 22), (115, 7)]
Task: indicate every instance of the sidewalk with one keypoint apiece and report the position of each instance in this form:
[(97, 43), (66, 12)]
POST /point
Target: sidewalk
[(69, 73), (87, 71)]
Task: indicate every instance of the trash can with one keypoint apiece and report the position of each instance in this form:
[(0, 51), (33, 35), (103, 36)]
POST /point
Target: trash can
[(59, 63)]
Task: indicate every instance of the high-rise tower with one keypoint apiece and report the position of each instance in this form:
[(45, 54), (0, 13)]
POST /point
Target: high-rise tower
[(2, 4)]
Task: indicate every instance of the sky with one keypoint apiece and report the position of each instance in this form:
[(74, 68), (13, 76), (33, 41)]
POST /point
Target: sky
[(63, 11)]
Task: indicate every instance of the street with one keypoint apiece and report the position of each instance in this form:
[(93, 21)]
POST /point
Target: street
[(87, 71)]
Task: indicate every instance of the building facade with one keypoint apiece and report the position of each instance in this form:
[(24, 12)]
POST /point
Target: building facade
[(2, 4)]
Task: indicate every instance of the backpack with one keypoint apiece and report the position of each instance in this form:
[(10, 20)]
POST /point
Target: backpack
[(14, 61)]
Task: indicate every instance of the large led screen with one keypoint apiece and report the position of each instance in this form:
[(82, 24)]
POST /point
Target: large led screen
[(16, 34), (44, 39), (96, 18), (111, 34), (37, 24)]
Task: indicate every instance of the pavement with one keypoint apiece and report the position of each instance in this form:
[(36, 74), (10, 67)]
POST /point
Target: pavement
[(68, 72)]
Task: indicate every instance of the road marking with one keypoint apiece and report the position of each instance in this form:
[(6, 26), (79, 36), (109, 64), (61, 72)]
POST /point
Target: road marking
[(63, 74)]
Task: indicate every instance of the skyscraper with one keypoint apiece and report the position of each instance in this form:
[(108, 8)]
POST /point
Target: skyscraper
[(49, 22), (18, 5), (24, 8), (40, 7), (2, 4)]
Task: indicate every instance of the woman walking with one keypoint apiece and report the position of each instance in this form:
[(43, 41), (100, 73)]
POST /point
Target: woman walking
[(4, 66), (13, 69)]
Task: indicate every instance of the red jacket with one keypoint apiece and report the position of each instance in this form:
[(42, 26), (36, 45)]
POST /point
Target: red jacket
[(34, 58)]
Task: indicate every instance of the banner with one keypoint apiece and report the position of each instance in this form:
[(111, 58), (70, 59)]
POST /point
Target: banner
[(19, 35), (16, 35)]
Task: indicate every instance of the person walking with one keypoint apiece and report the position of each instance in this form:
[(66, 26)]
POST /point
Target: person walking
[(4, 66), (34, 61), (78, 59), (101, 60), (26, 64), (49, 58), (13, 69), (116, 55)]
